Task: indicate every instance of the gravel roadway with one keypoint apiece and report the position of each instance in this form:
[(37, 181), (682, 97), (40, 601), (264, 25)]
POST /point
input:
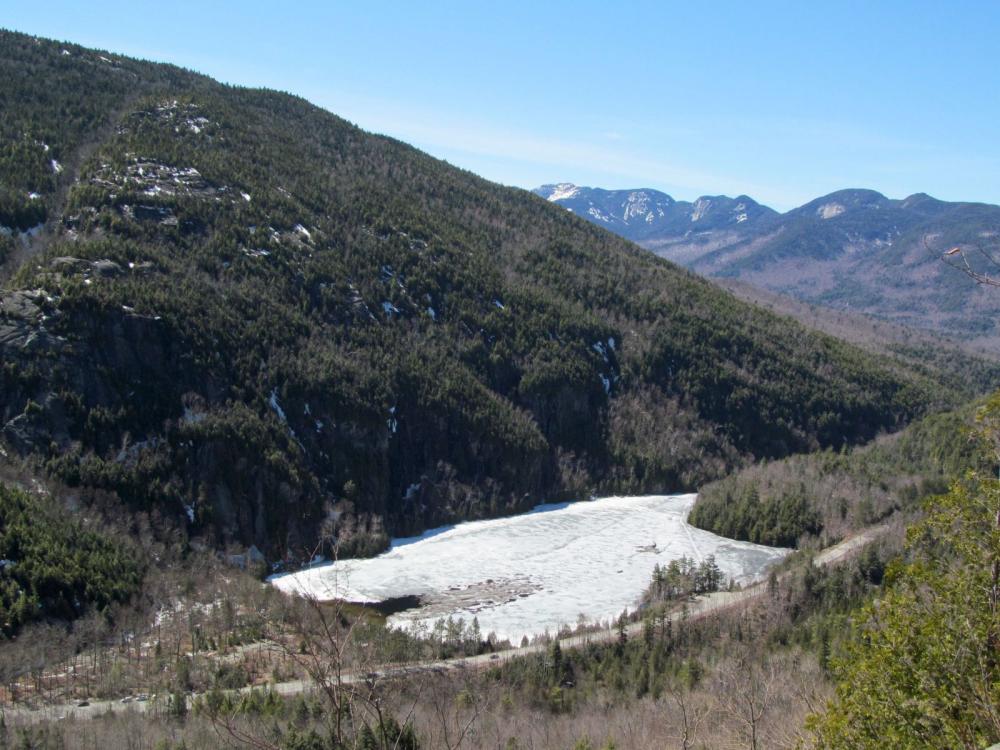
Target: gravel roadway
[(701, 607)]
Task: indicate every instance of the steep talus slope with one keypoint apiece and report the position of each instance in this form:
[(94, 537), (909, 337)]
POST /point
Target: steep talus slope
[(268, 326)]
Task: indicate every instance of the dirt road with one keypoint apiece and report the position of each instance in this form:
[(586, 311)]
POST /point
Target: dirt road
[(701, 607)]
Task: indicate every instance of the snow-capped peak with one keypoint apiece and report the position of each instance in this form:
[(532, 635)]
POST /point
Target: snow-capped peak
[(563, 191)]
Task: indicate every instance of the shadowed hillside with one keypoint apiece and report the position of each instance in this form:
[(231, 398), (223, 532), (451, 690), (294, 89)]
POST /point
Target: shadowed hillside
[(239, 310)]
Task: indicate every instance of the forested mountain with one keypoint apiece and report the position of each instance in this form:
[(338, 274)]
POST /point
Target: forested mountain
[(853, 250), (238, 312), (830, 495)]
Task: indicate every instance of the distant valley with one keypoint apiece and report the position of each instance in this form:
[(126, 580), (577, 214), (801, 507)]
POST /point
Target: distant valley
[(850, 250)]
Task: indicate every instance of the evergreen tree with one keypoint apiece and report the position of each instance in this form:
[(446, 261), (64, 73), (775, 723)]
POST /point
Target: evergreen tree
[(924, 669)]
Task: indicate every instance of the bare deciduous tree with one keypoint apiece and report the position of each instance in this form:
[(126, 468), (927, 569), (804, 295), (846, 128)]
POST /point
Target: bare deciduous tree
[(691, 715), (456, 701), (746, 693), (324, 648), (958, 258)]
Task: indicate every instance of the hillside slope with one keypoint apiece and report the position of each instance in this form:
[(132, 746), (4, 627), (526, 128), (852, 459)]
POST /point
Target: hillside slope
[(965, 367), (851, 250), (238, 311), (858, 250)]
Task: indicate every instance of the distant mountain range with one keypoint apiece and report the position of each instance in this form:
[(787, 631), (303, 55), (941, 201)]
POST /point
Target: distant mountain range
[(852, 249), (648, 216)]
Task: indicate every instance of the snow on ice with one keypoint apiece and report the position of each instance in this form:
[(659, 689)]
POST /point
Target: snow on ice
[(537, 571)]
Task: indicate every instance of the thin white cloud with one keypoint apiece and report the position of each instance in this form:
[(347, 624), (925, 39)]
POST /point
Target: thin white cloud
[(565, 156)]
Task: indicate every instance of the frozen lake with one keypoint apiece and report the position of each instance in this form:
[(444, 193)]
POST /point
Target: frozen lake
[(534, 572)]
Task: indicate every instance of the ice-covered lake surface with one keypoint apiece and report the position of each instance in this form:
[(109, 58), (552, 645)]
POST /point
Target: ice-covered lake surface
[(537, 571)]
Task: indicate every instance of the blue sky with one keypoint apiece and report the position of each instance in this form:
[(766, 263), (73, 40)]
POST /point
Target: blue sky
[(782, 101)]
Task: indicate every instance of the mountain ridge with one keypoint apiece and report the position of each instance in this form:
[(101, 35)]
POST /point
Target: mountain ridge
[(850, 249), (261, 325), (645, 212)]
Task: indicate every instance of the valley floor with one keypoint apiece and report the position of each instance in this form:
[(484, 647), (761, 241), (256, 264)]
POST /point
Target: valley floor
[(702, 607), (558, 566)]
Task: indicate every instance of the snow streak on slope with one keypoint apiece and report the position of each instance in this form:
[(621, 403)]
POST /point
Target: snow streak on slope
[(563, 191), (537, 571)]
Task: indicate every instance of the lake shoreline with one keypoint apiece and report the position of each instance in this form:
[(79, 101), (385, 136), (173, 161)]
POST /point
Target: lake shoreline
[(556, 566)]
